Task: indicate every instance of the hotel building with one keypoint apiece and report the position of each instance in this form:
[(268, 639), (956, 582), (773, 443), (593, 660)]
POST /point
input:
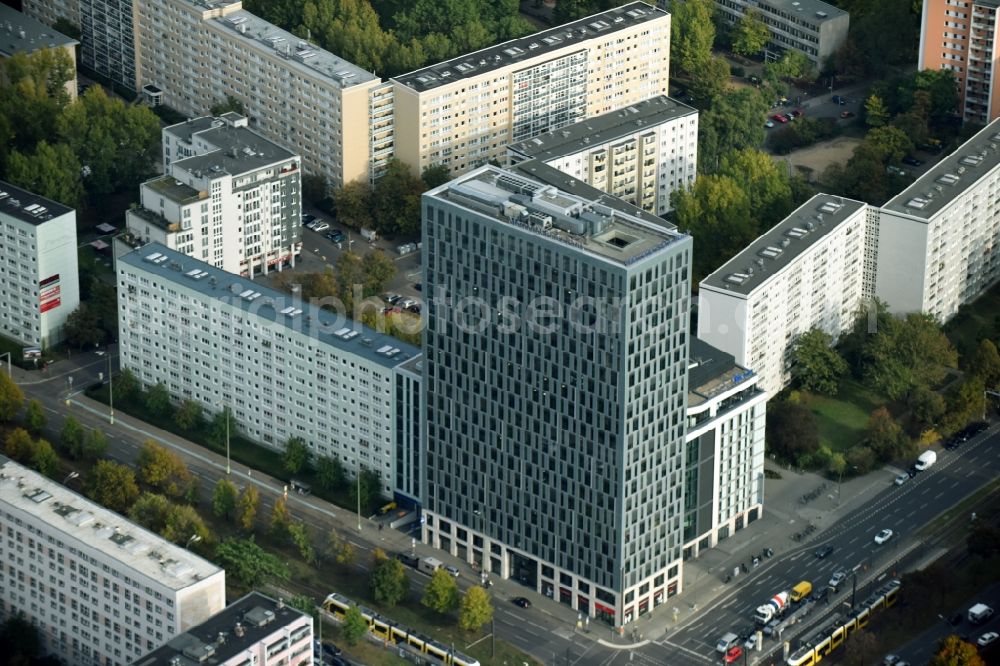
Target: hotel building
[(102, 591), (811, 270)]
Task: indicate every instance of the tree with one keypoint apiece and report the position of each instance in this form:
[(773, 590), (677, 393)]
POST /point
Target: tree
[(34, 417), (435, 175), (956, 652), (876, 115), (246, 508), (732, 123), (388, 579), (188, 415), (113, 485), (44, 458), (249, 563), (817, 366), (11, 398), (72, 435), (299, 535), (281, 518), (861, 647), (158, 400), (126, 386), (352, 204), (82, 328), (711, 82), (150, 510), (350, 277), (927, 406), (370, 486), (162, 469), (231, 104), (441, 594), (50, 171), (395, 201), (379, 269), (224, 498), (19, 446), (861, 458), (766, 186), (716, 212), (330, 474), (905, 353), (692, 35), (750, 35), (355, 626), (791, 430), (305, 604), (183, 522), (985, 364), (792, 65), (340, 550), (223, 425), (965, 401), (890, 142), (885, 437), (20, 643), (476, 609), (296, 455), (94, 446)]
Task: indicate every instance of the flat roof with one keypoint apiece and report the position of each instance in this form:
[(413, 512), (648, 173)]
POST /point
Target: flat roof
[(343, 335), (101, 529), (258, 35), (558, 215), (28, 207), (217, 640), (782, 244), (238, 150), (24, 34), (173, 189), (711, 371), (187, 129), (951, 177), (550, 175), (605, 128), (811, 9), (524, 48)]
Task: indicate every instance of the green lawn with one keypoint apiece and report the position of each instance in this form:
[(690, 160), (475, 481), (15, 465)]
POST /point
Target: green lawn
[(842, 419)]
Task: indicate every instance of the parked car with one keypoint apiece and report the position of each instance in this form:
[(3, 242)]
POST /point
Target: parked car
[(789, 117), (883, 536), (336, 236), (733, 655), (419, 286), (795, 113), (987, 638), (391, 298), (890, 660), (821, 553), (894, 171), (837, 99), (321, 226), (778, 118), (846, 114), (307, 218), (912, 161), (768, 124), (408, 560), (901, 479), (453, 570), (521, 602)]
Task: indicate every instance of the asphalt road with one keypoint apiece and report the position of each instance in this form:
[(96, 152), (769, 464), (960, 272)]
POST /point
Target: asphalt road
[(546, 635), (921, 649)]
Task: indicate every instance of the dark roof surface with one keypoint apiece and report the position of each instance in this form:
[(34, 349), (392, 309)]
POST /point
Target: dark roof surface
[(28, 207)]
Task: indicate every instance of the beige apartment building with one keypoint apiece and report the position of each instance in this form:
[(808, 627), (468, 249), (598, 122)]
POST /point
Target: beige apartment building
[(958, 35), (27, 33), (462, 113), (195, 53)]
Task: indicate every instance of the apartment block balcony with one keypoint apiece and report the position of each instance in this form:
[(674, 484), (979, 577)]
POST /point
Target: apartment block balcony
[(154, 219)]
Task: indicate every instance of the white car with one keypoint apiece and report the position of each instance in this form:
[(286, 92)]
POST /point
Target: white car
[(987, 638), (883, 536), (321, 226), (902, 478), (452, 570), (836, 579)]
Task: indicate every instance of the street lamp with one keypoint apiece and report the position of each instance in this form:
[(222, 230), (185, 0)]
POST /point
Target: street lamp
[(841, 478), (69, 391), (225, 414), (194, 539), (70, 477), (111, 393)]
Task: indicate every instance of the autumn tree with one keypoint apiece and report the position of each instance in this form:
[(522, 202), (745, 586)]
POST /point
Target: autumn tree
[(150, 510), (188, 415), (876, 115), (44, 458), (340, 550), (985, 364), (907, 352), (112, 485), (281, 518), (956, 652), (163, 470), (388, 579), (300, 537), (817, 366), (885, 437), (183, 523), (224, 498), (476, 609), (158, 400), (378, 269), (352, 204), (34, 417), (246, 508), (441, 594), (11, 398)]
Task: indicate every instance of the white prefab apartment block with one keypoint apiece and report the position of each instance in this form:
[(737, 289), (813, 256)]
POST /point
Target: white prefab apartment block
[(228, 197), (814, 27), (464, 112), (39, 285), (811, 270), (27, 33), (50, 11), (254, 630), (939, 239), (284, 367), (102, 591), (196, 53), (640, 154), (724, 451)]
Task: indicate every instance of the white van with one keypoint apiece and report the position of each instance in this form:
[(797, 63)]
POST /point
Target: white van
[(926, 459), (726, 642)]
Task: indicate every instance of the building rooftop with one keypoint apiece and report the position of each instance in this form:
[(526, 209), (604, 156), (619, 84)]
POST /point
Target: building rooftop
[(816, 11), (185, 130), (602, 129), (550, 175), (100, 529), (771, 252), (518, 50), (174, 190), (20, 33), (238, 150), (28, 207), (951, 177), (560, 216), (327, 328), (237, 627), (711, 371), (265, 38)]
